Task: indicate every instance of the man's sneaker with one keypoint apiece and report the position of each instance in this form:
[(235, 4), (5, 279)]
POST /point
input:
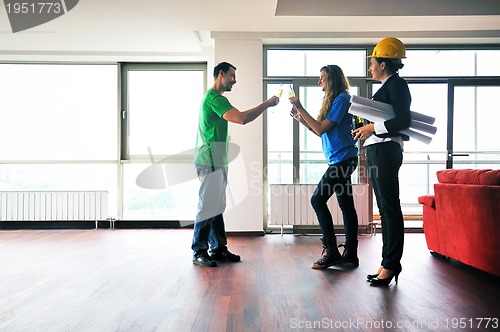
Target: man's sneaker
[(204, 260), (225, 256)]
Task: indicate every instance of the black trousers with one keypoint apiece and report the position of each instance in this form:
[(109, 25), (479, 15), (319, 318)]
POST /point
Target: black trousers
[(384, 161), (337, 179)]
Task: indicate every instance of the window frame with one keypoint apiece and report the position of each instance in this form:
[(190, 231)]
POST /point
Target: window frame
[(366, 90), (124, 68)]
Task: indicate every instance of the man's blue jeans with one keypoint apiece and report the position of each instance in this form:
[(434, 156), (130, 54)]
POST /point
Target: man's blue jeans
[(209, 231)]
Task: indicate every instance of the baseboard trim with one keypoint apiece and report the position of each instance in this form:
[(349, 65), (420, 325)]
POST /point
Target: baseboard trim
[(245, 233), (106, 224), (46, 225), (101, 224)]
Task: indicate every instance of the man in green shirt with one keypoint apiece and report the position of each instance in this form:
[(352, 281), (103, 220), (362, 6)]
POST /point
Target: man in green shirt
[(211, 162)]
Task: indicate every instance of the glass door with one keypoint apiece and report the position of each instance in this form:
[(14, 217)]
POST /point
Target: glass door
[(472, 109), (294, 154), (311, 162)]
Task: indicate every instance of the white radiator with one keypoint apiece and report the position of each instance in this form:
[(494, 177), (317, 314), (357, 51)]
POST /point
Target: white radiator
[(290, 204), (53, 205)]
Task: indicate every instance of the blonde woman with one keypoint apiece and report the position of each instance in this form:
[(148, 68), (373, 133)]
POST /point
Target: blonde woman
[(334, 126)]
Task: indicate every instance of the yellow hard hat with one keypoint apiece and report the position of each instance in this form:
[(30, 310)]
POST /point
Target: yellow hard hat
[(390, 48)]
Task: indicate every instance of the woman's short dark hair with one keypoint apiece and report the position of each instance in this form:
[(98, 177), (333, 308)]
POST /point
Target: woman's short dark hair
[(394, 65), (224, 66)]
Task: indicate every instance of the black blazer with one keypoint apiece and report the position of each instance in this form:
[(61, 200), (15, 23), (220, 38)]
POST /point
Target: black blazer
[(395, 92)]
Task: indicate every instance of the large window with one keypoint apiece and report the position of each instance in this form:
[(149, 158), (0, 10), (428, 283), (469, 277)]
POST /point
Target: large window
[(427, 71), (294, 153), (59, 128), (303, 63), (451, 63), (63, 128), (161, 105), (58, 112)]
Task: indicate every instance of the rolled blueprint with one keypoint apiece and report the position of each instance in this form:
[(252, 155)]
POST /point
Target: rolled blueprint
[(376, 111)]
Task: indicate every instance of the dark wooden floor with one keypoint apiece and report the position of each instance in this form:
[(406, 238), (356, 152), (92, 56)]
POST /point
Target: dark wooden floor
[(143, 280)]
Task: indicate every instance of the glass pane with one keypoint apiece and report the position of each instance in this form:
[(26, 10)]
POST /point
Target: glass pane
[(452, 63), (417, 175), (312, 159), (285, 63), (464, 115), (280, 168), (487, 110), (353, 63), (487, 63), (60, 177), (163, 110), (176, 202), (439, 63), (58, 112), (279, 138), (474, 111), (421, 95), (309, 62), (415, 180)]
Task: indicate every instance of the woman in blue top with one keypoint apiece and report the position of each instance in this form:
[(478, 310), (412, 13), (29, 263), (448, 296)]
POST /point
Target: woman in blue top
[(334, 126)]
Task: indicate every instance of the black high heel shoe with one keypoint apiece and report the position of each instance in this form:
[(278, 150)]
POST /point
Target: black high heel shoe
[(385, 282), (369, 277)]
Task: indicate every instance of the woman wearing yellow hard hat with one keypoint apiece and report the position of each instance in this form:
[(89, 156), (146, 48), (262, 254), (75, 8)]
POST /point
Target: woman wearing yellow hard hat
[(384, 153)]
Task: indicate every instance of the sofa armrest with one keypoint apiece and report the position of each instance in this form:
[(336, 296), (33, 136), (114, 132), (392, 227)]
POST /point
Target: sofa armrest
[(468, 224), (430, 222), (427, 200)]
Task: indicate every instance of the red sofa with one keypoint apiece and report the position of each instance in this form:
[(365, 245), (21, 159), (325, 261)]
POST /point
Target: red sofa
[(462, 218)]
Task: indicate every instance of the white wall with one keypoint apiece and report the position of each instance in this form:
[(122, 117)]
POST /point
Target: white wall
[(245, 175)]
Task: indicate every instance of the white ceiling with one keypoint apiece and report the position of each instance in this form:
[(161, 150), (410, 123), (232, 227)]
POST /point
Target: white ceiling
[(189, 26), (387, 7)]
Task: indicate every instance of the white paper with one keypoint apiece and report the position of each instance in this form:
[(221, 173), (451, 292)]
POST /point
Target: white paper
[(422, 118), (369, 113), (376, 111), (416, 135), (387, 109), (421, 126)]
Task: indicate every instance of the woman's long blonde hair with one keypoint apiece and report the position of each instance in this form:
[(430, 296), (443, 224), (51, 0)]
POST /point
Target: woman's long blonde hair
[(336, 83)]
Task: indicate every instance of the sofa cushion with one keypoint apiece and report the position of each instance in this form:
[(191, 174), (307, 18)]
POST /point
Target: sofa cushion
[(470, 176), (446, 175), (490, 177)]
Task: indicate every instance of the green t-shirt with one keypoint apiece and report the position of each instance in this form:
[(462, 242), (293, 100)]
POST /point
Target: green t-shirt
[(211, 141)]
